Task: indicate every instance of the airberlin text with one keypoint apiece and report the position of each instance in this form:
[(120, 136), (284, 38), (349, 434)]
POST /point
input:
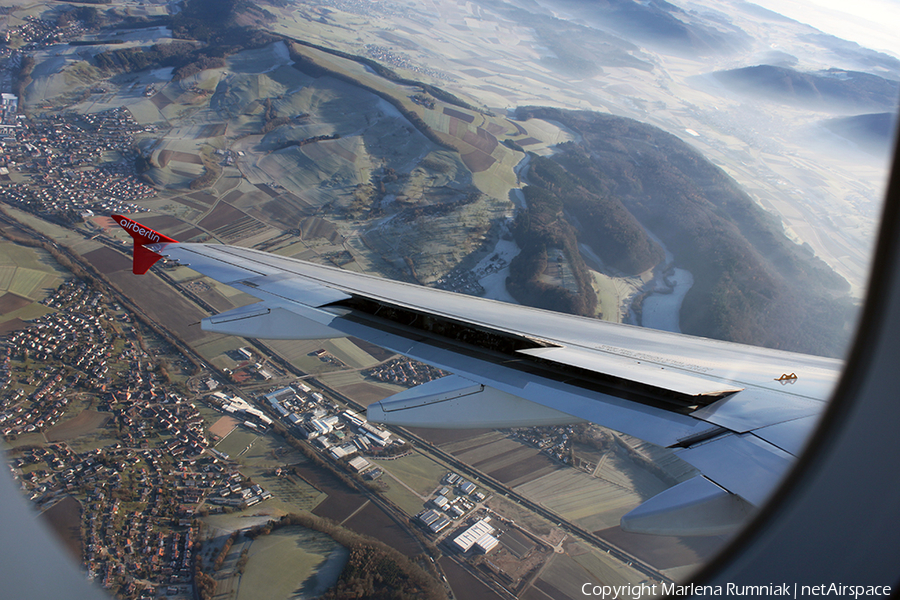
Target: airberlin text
[(147, 233), (790, 590)]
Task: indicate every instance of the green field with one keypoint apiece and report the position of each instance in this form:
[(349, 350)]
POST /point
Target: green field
[(605, 568), (28, 439), (6, 271), (416, 470), (182, 274), (402, 497), (297, 352), (270, 450), (294, 563), (219, 345), (32, 283), (32, 311), (351, 354), (24, 257), (266, 451)]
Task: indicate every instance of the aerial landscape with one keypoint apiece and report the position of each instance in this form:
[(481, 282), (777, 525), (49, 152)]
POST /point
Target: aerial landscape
[(707, 168)]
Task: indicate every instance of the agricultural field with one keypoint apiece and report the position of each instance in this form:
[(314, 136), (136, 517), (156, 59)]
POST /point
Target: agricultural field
[(27, 275), (361, 390), (506, 459), (576, 496), (87, 421), (301, 354), (352, 355), (566, 573), (666, 553), (592, 500), (164, 305), (214, 350)]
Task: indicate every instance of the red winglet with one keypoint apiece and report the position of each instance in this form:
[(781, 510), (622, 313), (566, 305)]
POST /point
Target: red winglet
[(144, 258)]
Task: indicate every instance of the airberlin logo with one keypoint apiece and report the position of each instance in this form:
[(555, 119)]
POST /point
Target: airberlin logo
[(149, 234)]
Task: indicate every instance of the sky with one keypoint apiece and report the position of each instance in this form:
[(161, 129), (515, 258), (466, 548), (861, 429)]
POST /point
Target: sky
[(873, 24)]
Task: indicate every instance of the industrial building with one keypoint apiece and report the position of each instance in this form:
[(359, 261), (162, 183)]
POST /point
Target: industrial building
[(478, 536)]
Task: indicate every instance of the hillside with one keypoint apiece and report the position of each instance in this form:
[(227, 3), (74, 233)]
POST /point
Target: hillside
[(751, 284)]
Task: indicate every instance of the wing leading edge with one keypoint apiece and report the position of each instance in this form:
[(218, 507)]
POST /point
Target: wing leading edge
[(736, 413)]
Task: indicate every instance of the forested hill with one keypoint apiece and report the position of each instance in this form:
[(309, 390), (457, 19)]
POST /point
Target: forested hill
[(554, 196), (751, 283)]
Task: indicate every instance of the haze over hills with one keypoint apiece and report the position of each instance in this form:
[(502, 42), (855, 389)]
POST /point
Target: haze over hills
[(662, 25), (873, 133), (835, 89)]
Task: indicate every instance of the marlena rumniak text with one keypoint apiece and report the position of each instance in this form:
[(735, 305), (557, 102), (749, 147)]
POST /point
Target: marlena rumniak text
[(638, 591)]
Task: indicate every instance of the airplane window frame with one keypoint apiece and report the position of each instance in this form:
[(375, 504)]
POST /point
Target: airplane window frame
[(833, 519)]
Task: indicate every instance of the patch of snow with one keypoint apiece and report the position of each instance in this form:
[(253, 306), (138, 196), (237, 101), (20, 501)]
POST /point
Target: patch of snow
[(281, 55), (493, 270), (518, 198), (661, 309), (164, 74), (389, 109)]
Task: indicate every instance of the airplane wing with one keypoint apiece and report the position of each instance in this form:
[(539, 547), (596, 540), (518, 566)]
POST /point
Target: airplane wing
[(739, 414)]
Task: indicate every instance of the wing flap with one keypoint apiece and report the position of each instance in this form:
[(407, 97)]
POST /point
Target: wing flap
[(755, 408), (790, 436), (459, 403), (647, 373), (268, 322), (693, 507), (742, 464)]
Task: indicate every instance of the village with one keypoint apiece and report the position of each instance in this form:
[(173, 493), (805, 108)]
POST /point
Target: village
[(145, 476), (60, 152)]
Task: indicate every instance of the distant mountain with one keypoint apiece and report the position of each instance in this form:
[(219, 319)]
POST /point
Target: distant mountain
[(831, 89), (663, 26), (873, 133)]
